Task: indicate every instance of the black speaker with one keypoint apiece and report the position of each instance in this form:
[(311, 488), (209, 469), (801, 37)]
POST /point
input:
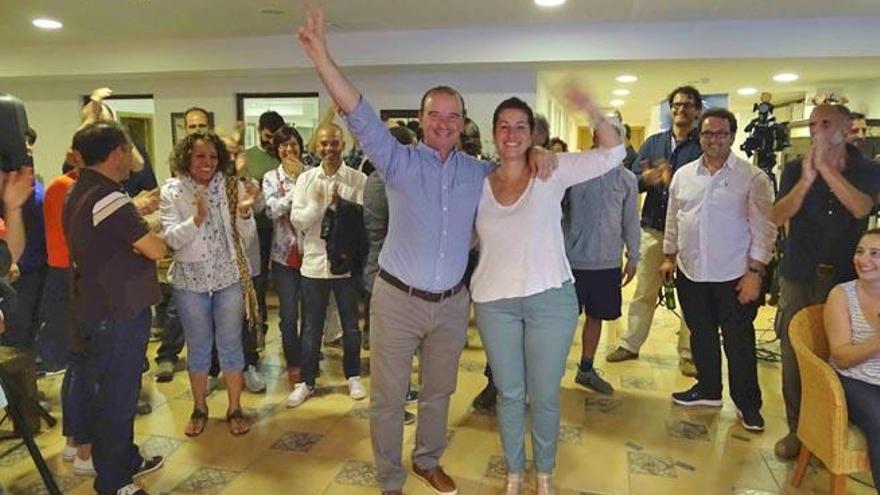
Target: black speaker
[(13, 125)]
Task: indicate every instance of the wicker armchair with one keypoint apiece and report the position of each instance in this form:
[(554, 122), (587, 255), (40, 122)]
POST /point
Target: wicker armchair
[(823, 429)]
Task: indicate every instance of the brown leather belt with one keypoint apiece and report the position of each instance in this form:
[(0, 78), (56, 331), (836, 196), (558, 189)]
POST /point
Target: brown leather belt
[(421, 294)]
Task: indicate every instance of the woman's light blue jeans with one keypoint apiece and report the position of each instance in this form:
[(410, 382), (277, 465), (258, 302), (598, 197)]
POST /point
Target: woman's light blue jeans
[(527, 340), (210, 316)]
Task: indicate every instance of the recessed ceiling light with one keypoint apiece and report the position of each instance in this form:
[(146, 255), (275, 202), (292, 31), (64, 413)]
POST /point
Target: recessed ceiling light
[(46, 24), (616, 103), (785, 77), (620, 92), (627, 78), (747, 91), (549, 3)]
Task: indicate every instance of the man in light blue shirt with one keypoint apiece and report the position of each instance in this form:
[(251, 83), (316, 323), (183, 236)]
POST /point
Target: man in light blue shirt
[(418, 304)]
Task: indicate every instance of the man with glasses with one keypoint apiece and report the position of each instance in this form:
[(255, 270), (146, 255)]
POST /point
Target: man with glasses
[(718, 240), (661, 155)]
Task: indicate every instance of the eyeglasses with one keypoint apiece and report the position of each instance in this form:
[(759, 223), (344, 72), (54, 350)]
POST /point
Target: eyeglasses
[(714, 135), (682, 104)]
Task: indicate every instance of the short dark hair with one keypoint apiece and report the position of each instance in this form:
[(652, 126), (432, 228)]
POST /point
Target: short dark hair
[(182, 156), (271, 120), (691, 91), (543, 125), (560, 142), (856, 116), (628, 130), (721, 113), (30, 135), (446, 90), (196, 109), (96, 141), (514, 103), (282, 135)]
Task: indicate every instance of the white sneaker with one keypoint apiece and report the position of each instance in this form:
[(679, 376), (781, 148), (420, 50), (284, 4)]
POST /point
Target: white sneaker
[(300, 393), (131, 489), (356, 389), (83, 467), (69, 453), (253, 380)]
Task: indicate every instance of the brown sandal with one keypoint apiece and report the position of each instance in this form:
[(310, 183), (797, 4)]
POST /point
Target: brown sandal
[(237, 423), (197, 421)]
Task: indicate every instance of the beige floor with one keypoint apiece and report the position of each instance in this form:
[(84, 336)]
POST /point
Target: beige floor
[(634, 442)]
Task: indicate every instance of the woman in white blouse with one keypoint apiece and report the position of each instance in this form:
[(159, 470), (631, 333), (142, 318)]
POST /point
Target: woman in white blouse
[(208, 239), (286, 250), (852, 324), (525, 300)]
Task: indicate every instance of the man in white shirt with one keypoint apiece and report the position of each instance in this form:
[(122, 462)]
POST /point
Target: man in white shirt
[(317, 191), (719, 236)]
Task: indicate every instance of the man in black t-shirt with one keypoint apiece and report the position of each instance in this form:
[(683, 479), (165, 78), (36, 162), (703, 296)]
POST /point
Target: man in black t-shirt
[(113, 256), (825, 199)]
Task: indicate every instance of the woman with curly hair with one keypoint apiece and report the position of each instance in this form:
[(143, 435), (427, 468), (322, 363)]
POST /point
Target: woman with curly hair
[(206, 217)]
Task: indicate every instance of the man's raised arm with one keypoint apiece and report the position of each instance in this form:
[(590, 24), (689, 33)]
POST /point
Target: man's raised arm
[(311, 37)]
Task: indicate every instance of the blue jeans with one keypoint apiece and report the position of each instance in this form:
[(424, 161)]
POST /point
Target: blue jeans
[(114, 358), (527, 340), (288, 282), (316, 295), (863, 406), (209, 317)]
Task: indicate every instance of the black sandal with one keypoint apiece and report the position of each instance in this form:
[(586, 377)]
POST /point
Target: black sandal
[(198, 419), (237, 423)]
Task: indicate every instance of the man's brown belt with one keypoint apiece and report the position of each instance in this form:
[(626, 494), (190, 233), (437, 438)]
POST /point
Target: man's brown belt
[(421, 294)]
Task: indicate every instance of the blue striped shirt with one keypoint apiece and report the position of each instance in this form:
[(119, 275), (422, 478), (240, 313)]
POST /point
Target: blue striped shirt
[(432, 204)]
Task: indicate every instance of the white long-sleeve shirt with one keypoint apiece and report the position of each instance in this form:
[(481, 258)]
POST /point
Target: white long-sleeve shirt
[(522, 251), (717, 222), (307, 214)]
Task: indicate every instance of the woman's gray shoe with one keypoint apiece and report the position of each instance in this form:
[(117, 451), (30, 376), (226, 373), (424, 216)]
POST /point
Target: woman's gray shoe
[(593, 381)]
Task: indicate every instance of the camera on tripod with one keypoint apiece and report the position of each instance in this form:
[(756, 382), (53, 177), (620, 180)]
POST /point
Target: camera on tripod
[(766, 136)]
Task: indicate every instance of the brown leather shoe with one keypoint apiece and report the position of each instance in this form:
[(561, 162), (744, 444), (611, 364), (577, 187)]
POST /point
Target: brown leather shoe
[(437, 479)]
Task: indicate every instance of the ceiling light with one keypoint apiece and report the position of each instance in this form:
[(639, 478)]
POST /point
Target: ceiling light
[(620, 92), (46, 24), (549, 3), (616, 103), (785, 77), (271, 11), (747, 91), (627, 78)]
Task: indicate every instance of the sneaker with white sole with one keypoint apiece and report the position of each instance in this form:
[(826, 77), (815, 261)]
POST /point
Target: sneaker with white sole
[(83, 467), (693, 397), (751, 420), (253, 380), (69, 453), (356, 389), (131, 489), (300, 393), (149, 465)]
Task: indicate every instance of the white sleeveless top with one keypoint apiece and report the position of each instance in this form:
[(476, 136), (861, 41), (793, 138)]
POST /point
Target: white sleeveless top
[(869, 370), (521, 246)]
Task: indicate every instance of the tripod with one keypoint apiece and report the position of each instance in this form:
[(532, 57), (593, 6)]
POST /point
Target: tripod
[(15, 411)]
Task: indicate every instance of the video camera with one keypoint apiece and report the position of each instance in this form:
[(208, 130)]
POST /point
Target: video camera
[(13, 126), (766, 136)]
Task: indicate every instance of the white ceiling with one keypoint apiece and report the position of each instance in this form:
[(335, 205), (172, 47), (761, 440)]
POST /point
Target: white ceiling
[(149, 20)]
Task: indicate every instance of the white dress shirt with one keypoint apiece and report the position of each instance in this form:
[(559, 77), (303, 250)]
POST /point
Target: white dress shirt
[(717, 222), (307, 214)]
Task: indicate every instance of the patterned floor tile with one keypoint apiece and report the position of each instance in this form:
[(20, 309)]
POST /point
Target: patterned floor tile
[(660, 361), (639, 382), (497, 468), (297, 441), (571, 434), (153, 445), (687, 430), (750, 491), (603, 405), (206, 481), (19, 454), (654, 465), (359, 412), (357, 473), (35, 486)]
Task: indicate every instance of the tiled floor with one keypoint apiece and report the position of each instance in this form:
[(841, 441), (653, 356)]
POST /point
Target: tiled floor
[(634, 442)]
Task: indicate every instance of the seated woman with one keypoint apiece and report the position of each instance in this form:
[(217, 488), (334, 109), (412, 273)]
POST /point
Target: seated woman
[(525, 301), (286, 249), (852, 322), (210, 274)]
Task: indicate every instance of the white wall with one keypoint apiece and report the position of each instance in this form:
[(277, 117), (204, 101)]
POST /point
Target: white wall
[(53, 107)]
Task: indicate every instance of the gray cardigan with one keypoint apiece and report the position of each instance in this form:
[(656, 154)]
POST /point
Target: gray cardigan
[(601, 216)]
